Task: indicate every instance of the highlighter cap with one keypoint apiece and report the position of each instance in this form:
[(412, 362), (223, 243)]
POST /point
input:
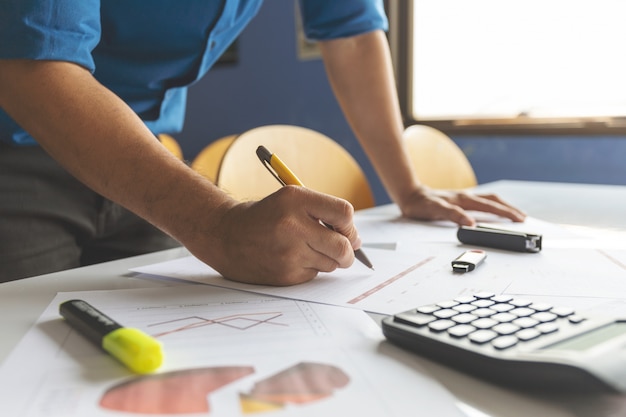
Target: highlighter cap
[(135, 349)]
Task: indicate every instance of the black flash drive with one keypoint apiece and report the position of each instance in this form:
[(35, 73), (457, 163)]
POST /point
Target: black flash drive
[(468, 260), (499, 238)]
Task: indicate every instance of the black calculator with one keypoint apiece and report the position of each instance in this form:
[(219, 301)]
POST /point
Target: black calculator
[(517, 342)]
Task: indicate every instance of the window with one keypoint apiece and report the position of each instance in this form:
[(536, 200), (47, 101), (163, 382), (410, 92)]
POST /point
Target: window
[(515, 66)]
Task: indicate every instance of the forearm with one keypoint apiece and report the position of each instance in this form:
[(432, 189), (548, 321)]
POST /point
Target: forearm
[(361, 74), (100, 140)]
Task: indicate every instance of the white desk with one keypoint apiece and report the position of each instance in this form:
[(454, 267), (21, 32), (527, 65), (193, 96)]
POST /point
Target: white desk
[(21, 302)]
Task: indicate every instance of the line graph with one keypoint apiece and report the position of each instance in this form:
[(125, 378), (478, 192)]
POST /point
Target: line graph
[(390, 281), (241, 321), (403, 278)]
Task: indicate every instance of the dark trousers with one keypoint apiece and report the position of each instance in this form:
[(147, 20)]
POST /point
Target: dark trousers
[(49, 221)]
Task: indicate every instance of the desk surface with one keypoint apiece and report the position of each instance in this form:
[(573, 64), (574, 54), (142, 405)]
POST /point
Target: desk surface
[(21, 302), (591, 205)]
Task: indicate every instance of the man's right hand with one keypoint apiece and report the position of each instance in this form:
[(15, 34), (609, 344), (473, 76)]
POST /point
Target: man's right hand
[(280, 240)]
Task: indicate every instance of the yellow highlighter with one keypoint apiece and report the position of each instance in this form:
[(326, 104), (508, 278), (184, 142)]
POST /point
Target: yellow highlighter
[(135, 349), (285, 176)]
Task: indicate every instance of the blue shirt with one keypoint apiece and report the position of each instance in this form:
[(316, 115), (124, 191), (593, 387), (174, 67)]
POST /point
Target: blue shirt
[(149, 51)]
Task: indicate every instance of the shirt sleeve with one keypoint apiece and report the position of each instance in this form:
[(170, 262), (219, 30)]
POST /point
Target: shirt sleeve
[(331, 19), (63, 30)]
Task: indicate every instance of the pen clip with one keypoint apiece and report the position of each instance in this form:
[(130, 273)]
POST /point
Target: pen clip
[(265, 156)]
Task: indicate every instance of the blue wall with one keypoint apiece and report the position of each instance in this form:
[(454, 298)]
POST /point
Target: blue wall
[(270, 85), (591, 159)]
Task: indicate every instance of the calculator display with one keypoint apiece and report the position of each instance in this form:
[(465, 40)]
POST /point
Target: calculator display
[(592, 338)]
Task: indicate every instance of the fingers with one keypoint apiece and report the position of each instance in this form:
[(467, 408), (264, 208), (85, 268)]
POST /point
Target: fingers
[(320, 229), (336, 214), (340, 237), (280, 240), (333, 250), (431, 206), (459, 216), (451, 205), (491, 203)]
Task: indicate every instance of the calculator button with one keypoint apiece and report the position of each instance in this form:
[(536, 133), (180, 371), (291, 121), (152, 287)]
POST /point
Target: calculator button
[(541, 306), (504, 342), (464, 299), (503, 317), (522, 311), (576, 319), (484, 294), (544, 317), (445, 313), (441, 325), (464, 318), (562, 311), (484, 323), (447, 304), (520, 302), (502, 307), (528, 334), (464, 308), (461, 330), (525, 322), (484, 312), (482, 336), (546, 328), (502, 298), (428, 309), (418, 320), (505, 328), (482, 303)]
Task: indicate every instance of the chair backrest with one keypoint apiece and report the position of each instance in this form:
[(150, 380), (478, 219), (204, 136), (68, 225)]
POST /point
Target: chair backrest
[(321, 163), (208, 161), (171, 145), (437, 160)]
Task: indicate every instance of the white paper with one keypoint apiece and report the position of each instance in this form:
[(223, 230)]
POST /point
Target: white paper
[(225, 347), (418, 274), (419, 270)]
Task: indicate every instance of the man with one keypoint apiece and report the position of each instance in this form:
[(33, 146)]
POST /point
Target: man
[(85, 85)]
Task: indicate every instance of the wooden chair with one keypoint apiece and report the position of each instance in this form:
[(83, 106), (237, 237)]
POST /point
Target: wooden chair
[(171, 144), (321, 163), (438, 161), (208, 161)]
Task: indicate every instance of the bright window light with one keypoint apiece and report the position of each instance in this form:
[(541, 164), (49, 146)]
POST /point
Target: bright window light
[(492, 59)]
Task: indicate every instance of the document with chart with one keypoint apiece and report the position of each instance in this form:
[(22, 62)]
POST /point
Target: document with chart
[(227, 353)]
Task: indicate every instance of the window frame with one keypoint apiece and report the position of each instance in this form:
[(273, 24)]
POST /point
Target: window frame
[(400, 35)]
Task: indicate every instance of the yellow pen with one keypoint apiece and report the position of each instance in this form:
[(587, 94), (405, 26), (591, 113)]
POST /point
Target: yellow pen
[(135, 349), (285, 176)]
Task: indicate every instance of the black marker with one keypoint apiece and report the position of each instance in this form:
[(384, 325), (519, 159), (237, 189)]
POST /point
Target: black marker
[(135, 349)]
